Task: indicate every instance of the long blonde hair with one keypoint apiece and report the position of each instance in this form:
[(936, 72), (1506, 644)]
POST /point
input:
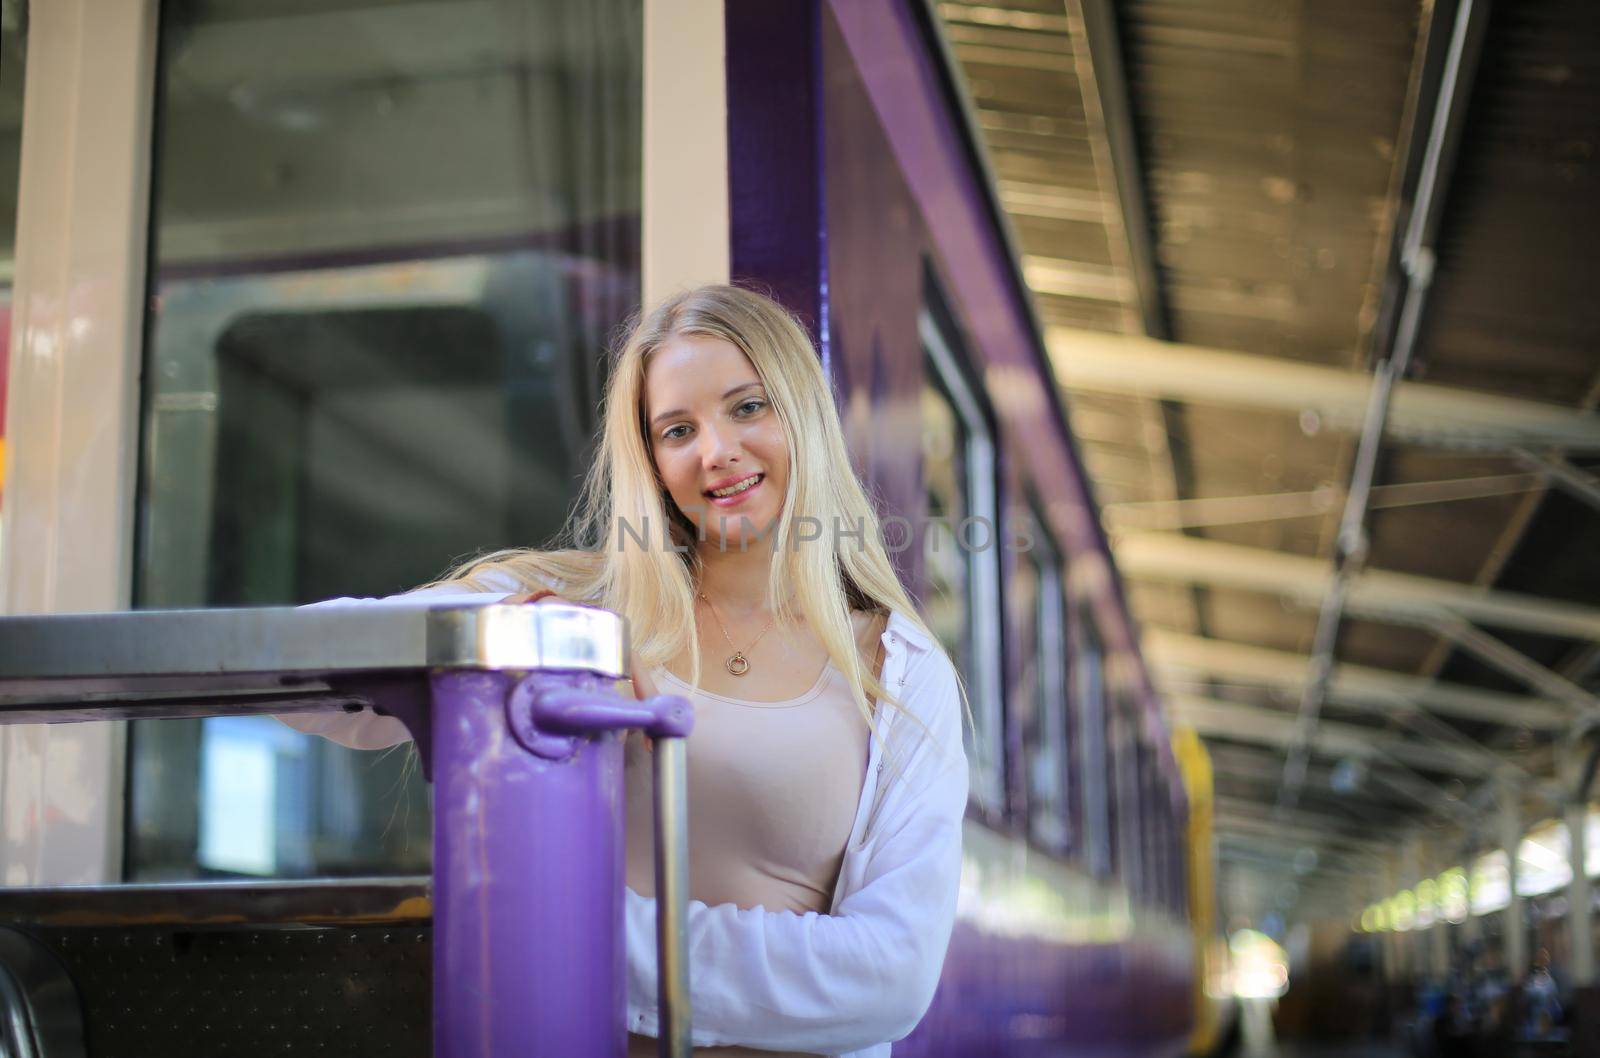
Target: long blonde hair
[(654, 586)]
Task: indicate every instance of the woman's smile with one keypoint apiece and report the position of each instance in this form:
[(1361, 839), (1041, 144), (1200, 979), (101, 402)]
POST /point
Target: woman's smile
[(738, 492)]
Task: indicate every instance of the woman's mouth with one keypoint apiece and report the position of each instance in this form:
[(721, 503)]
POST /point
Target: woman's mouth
[(737, 492)]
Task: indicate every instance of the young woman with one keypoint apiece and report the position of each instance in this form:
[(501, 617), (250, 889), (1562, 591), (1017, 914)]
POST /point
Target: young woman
[(827, 779)]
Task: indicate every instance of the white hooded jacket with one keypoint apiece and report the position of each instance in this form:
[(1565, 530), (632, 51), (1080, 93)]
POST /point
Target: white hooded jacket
[(846, 983)]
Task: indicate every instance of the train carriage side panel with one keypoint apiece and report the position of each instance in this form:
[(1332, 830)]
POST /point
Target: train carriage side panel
[(887, 216)]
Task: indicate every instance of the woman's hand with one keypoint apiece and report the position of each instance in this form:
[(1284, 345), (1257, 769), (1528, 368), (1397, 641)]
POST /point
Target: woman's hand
[(542, 595), (643, 686)]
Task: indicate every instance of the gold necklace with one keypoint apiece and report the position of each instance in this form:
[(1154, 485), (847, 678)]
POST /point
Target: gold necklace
[(738, 664)]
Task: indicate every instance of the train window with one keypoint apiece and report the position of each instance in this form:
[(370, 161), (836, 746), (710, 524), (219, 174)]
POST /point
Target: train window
[(390, 242), (1093, 761), (12, 53), (1150, 827), (1036, 595), (960, 546), (1127, 806)]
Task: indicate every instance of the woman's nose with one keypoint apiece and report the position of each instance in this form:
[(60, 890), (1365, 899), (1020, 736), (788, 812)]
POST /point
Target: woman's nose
[(719, 445)]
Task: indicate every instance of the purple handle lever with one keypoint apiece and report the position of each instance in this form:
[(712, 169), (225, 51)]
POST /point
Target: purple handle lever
[(550, 718)]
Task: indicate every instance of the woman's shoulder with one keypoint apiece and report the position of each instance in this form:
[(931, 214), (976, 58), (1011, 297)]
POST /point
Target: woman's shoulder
[(901, 627), (928, 676)]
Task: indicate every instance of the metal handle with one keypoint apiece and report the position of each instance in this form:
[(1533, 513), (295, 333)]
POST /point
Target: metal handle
[(672, 895)]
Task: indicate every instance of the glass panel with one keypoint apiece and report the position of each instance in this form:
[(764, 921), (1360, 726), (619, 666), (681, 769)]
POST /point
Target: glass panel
[(1026, 705), (391, 242), (1094, 772), (1041, 698), (1126, 800), (944, 471), (949, 564), (13, 49)]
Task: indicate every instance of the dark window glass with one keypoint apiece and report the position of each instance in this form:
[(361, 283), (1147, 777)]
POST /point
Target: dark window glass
[(1094, 745), (391, 242), (948, 604), (1040, 697), (1127, 851)]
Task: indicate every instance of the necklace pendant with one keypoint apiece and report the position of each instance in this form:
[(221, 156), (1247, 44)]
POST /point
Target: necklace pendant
[(737, 665)]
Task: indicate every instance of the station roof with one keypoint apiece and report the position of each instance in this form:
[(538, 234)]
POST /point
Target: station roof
[(1229, 216)]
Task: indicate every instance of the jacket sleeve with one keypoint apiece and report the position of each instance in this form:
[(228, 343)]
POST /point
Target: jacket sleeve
[(367, 729), (862, 976)]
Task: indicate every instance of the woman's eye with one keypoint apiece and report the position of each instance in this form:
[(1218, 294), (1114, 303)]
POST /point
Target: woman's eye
[(756, 405), (672, 434)]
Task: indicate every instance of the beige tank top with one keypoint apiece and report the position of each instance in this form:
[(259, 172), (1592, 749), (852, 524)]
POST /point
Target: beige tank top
[(773, 793)]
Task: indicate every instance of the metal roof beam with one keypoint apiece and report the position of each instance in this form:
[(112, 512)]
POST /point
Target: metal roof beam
[(1265, 766), (1276, 728), (1380, 594), (1175, 655), (1575, 482), (1322, 397), (1299, 833), (1097, 52), (1268, 851), (1228, 808), (1516, 664)]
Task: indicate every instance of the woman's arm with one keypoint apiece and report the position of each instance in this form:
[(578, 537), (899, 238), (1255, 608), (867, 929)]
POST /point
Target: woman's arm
[(861, 976), (367, 729)]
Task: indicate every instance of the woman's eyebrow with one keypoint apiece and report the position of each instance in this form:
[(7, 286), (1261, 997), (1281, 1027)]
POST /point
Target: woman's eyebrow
[(725, 396)]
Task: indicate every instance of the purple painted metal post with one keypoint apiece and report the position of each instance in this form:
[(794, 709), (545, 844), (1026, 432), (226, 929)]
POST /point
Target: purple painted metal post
[(528, 861)]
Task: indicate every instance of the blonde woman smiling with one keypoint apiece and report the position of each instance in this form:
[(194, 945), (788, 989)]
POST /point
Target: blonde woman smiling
[(827, 779)]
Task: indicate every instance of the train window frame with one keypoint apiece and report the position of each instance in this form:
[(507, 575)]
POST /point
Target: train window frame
[(1088, 687), (985, 684), (1128, 797), (1051, 627)]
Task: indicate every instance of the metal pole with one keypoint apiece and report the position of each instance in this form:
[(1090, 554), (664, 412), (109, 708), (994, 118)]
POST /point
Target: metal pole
[(1510, 818), (1393, 971), (672, 894), (1416, 256), (1441, 930), (1579, 912), (1470, 931), (1411, 878)]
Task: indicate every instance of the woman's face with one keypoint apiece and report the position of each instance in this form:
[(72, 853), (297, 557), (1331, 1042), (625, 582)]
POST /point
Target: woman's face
[(712, 427)]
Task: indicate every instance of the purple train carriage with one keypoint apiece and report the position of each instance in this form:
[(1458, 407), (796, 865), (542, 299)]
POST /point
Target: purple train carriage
[(338, 321)]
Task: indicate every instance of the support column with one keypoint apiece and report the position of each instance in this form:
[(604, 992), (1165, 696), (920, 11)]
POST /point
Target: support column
[(1393, 949), (1579, 914), (1470, 932), (1510, 830), (1440, 934), (1415, 963)]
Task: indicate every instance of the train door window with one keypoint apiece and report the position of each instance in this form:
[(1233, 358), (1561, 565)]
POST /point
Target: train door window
[(13, 48), (1149, 826), (390, 242), (1036, 594), (1093, 759), (960, 547), (1125, 798)]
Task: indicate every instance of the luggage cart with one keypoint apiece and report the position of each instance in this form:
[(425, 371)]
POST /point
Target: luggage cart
[(519, 715)]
